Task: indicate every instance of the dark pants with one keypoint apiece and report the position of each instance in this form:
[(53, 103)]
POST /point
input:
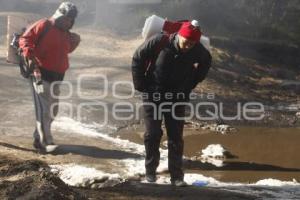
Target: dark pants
[(153, 136)]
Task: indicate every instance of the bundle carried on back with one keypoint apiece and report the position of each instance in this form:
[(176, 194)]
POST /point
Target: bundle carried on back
[(155, 24)]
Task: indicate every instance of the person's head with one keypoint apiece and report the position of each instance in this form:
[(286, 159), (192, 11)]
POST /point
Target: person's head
[(65, 15), (189, 35)]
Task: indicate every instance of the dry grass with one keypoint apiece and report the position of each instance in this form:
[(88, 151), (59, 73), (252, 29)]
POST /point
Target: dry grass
[(102, 44)]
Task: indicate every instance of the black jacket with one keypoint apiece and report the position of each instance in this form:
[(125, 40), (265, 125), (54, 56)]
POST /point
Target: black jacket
[(171, 71)]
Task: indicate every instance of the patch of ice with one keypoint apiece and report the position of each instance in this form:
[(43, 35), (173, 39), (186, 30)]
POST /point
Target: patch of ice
[(214, 151), (90, 130), (81, 176), (276, 183), (214, 154), (77, 175), (213, 161), (132, 167), (267, 189)]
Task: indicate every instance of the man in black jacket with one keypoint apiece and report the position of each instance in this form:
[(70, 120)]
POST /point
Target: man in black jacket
[(165, 70)]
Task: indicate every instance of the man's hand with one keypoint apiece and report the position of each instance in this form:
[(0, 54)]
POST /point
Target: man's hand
[(29, 66), (75, 40), (31, 63)]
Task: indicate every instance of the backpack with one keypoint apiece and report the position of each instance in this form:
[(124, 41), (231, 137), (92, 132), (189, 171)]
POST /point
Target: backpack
[(154, 25), (157, 49), (25, 70)]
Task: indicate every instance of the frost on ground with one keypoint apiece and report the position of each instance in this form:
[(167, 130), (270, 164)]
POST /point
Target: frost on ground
[(130, 167), (214, 154), (76, 175), (81, 176), (214, 151)]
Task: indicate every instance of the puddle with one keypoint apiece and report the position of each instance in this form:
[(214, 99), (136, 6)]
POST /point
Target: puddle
[(261, 153)]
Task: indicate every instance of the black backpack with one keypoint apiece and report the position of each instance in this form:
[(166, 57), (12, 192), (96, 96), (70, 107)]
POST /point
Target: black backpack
[(165, 40), (25, 70)]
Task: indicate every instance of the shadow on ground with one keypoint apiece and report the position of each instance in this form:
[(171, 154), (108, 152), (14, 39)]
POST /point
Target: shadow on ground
[(237, 166), (94, 152), (82, 150)]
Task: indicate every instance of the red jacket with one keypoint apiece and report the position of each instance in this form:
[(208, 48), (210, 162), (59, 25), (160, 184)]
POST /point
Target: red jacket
[(53, 48)]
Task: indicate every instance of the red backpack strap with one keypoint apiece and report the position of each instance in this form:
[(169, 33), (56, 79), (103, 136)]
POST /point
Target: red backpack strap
[(162, 43)]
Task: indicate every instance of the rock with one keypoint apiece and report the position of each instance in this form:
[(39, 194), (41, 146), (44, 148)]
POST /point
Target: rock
[(91, 181), (194, 158), (223, 128), (94, 186), (85, 182), (298, 115), (102, 179), (214, 151), (193, 125), (110, 183), (213, 161), (134, 178)]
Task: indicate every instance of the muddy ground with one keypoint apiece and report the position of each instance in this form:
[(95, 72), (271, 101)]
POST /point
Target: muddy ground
[(31, 179), (233, 78)]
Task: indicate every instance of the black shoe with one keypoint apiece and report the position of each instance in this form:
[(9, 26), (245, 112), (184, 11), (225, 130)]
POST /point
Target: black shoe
[(179, 183), (150, 178)]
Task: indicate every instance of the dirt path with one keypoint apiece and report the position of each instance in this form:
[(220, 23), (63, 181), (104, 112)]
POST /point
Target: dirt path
[(31, 179), (106, 54)]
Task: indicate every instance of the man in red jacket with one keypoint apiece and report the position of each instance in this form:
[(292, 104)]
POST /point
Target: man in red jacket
[(45, 47)]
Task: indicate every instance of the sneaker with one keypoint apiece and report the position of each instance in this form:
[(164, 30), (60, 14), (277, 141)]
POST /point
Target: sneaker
[(49, 148), (179, 183), (150, 178)]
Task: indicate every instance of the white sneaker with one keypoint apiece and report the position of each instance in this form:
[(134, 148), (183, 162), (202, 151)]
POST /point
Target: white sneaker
[(50, 148), (179, 183)]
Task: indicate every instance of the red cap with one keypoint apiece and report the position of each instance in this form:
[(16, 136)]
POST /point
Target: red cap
[(190, 32)]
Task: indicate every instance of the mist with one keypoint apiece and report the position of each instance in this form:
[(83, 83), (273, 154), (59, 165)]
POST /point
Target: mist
[(259, 19), (259, 26)]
